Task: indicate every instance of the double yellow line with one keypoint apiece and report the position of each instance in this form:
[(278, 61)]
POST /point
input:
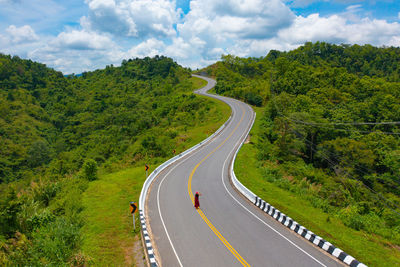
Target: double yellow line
[(216, 232)]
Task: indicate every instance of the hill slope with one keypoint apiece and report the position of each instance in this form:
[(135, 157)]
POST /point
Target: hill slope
[(58, 134), (328, 133)]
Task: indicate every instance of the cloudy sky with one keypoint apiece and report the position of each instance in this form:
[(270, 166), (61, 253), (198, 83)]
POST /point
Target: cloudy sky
[(82, 35)]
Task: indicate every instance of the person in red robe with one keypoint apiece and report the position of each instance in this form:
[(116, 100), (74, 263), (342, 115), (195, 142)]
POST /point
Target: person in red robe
[(196, 200)]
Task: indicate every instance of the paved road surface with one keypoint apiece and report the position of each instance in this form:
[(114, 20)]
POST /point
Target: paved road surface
[(227, 230)]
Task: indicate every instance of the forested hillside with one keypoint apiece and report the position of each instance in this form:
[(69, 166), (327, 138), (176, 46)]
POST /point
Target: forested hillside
[(49, 119), (57, 131), (330, 132)]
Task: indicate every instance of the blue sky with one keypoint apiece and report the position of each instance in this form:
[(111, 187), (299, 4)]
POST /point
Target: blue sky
[(74, 36), (383, 9)]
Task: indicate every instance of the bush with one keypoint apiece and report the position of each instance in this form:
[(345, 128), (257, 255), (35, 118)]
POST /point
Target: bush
[(272, 174), (55, 243), (320, 203), (253, 99), (356, 222), (44, 192), (14, 252), (352, 218), (90, 170), (68, 202), (40, 219)]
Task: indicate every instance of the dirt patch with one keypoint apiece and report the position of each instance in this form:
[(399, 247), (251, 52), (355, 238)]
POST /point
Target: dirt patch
[(133, 253), (140, 260), (247, 140)]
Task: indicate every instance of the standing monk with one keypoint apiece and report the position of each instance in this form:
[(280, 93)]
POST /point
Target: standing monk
[(196, 200)]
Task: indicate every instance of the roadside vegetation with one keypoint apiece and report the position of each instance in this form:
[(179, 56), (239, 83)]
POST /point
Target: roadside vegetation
[(71, 148), (108, 235), (326, 144)]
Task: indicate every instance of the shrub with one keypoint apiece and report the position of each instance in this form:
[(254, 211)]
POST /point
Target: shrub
[(272, 174), (90, 170), (253, 99), (44, 192), (40, 219), (352, 218), (14, 252), (55, 243), (320, 203)]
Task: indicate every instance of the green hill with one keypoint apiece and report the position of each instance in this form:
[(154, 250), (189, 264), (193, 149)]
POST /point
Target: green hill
[(49, 122), (60, 133), (327, 133)]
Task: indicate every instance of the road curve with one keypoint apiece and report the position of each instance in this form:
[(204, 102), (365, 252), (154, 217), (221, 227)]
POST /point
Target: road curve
[(227, 230)]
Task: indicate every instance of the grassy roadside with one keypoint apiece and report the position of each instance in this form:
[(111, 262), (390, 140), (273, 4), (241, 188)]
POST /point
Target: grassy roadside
[(108, 233), (370, 249), (197, 82), (108, 236)]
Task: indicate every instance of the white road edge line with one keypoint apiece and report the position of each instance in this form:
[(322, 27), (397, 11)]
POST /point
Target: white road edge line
[(223, 171), (158, 200), (159, 210)]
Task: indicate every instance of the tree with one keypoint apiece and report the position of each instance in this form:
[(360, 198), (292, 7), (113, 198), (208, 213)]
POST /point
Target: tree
[(39, 153)]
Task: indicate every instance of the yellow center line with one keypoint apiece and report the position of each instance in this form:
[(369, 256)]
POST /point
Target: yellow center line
[(216, 232)]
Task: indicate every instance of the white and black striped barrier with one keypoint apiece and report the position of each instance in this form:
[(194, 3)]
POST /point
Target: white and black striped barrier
[(286, 220), (307, 234), (147, 242)]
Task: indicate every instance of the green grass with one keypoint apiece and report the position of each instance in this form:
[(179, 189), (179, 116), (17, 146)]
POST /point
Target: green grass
[(108, 236), (216, 116), (197, 82), (108, 232), (367, 248)]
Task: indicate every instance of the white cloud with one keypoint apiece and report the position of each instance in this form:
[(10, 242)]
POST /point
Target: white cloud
[(257, 48), (75, 61), (336, 29), (154, 17), (232, 18), (83, 40), (137, 18), (77, 51), (211, 28), (394, 41), (314, 28), (19, 40), (375, 32), (211, 34), (353, 8), (179, 49), (108, 16), (150, 47), (22, 34)]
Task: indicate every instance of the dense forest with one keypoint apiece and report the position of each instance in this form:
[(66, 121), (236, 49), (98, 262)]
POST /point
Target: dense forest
[(56, 131), (330, 131)]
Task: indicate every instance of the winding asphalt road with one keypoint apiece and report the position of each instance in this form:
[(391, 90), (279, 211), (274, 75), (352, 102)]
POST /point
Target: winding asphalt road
[(227, 230)]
